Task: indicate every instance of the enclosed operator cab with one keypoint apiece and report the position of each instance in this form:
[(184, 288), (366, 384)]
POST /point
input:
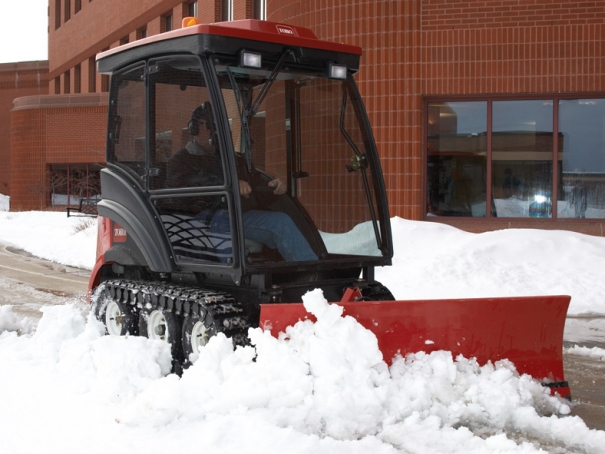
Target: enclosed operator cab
[(220, 135)]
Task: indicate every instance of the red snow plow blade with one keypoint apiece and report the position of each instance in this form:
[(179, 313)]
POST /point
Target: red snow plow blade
[(528, 331)]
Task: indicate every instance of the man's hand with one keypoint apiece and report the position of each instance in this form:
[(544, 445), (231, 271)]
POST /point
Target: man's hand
[(244, 189), (278, 185)]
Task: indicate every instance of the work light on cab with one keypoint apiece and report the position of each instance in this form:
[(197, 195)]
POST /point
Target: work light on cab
[(337, 71), (250, 60)]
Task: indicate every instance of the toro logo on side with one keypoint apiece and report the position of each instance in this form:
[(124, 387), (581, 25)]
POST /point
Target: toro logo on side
[(285, 30), (119, 233)]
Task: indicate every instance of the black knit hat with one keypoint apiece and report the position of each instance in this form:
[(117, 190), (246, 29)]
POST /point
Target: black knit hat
[(203, 112)]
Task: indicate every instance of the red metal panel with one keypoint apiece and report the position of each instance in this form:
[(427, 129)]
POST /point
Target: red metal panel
[(255, 30), (526, 330), (104, 243)]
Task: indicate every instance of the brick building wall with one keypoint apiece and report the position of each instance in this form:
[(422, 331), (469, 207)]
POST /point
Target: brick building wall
[(412, 49), (440, 14), (418, 48), (48, 130), (16, 79), (513, 47)]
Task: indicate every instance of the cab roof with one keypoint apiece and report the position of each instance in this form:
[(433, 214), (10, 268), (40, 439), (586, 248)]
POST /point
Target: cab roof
[(229, 38)]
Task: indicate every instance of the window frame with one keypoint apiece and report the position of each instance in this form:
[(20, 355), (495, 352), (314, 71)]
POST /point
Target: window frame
[(556, 98), (167, 22)]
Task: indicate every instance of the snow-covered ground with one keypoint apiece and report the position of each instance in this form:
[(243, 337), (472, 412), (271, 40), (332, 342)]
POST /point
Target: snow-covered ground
[(66, 388)]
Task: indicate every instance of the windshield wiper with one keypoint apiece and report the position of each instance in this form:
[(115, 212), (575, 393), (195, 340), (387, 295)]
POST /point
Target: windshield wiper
[(247, 110), (358, 162)]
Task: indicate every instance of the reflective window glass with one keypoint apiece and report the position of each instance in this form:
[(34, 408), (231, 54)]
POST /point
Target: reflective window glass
[(581, 191), (126, 133), (522, 158), (456, 158)]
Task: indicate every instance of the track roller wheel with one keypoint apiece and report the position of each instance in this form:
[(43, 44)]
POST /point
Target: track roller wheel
[(157, 324), (118, 318), (196, 334)]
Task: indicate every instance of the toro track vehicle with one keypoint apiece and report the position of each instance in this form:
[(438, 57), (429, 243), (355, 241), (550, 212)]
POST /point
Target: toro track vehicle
[(241, 173)]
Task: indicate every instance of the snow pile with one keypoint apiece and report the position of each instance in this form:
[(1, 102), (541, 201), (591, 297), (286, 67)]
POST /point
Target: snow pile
[(321, 387), (594, 352), (10, 322), (52, 236), (458, 264), (4, 202), (514, 262)]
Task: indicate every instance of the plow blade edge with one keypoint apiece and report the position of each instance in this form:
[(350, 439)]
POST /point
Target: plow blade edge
[(528, 331)]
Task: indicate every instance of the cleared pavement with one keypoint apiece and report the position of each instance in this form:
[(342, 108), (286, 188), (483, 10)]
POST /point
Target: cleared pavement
[(28, 283)]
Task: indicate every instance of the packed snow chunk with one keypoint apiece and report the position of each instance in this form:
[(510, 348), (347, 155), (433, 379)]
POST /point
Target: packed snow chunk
[(10, 322), (115, 367), (344, 336), (198, 393), (58, 325), (427, 435), (594, 352), (325, 378), (484, 399), (4, 202), (141, 363), (350, 378)]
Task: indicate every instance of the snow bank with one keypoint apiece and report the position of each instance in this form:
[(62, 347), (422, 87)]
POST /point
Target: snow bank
[(439, 261), (594, 352), (10, 322), (321, 387), (431, 260), (4, 202), (52, 236)]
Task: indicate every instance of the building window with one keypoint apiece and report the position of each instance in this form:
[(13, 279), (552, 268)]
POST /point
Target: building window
[(581, 189), (227, 10), (77, 6), (104, 79), (67, 10), (104, 83), (260, 9), (66, 82), (142, 33), (57, 14), (68, 183), (124, 40), (456, 181), (77, 79), (523, 158), (192, 9), (166, 24), (92, 75), (57, 85)]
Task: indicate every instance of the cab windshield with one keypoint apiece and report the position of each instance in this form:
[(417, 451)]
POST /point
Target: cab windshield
[(307, 131)]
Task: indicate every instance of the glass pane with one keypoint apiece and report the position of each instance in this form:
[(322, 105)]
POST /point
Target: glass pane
[(126, 130), (338, 192), (522, 153), (456, 158), (185, 159), (581, 192), (59, 194), (184, 144), (84, 181), (306, 132)]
